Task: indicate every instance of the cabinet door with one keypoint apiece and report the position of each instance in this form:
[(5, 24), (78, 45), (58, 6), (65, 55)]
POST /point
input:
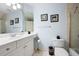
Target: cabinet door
[(28, 50), (7, 48), (18, 52)]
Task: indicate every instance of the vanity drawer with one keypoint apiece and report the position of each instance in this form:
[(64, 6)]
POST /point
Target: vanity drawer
[(29, 48), (20, 42), (23, 41), (28, 39), (5, 49)]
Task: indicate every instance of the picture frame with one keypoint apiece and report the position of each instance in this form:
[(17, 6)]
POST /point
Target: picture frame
[(16, 20), (44, 17), (11, 22), (54, 18)]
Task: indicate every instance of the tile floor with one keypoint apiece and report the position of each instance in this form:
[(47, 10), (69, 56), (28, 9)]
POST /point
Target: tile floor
[(41, 53), (58, 52)]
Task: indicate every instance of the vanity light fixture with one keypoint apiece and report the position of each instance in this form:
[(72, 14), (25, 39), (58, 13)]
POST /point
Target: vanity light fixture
[(18, 6), (8, 4), (15, 6)]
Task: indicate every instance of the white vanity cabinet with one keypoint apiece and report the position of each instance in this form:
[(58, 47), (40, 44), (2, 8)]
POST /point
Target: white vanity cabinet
[(7, 48), (26, 49), (17, 52), (29, 48), (22, 47)]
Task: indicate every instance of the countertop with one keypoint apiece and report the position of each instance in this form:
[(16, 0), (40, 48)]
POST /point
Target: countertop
[(8, 39)]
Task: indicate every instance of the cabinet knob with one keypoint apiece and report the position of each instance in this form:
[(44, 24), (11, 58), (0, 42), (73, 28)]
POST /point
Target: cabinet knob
[(25, 46), (8, 49)]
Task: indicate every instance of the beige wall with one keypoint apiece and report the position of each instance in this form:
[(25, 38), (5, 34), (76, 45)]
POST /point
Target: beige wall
[(29, 25), (73, 25), (68, 24), (0, 25), (3, 28)]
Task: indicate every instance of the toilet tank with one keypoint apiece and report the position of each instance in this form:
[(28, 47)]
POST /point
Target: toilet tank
[(58, 43)]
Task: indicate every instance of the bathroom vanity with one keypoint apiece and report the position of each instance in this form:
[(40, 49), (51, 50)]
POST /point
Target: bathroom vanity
[(19, 45)]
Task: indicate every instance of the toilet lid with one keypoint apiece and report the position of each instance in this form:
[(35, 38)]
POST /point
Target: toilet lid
[(61, 52)]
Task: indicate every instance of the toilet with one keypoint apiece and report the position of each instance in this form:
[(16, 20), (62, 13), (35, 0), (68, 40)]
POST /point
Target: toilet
[(59, 45)]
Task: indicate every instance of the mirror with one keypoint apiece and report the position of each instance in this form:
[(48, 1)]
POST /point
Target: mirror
[(14, 20)]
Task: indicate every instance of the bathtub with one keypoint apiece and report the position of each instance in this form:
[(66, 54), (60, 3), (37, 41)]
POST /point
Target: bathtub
[(74, 52)]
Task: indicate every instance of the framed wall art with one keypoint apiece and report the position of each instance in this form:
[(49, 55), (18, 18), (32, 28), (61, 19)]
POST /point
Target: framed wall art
[(44, 17), (11, 22), (16, 20), (54, 18)]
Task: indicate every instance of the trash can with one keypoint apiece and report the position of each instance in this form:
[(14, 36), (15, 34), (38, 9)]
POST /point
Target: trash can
[(51, 51)]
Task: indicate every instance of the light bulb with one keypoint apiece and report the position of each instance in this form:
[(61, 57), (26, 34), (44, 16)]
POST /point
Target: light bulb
[(14, 7), (18, 6), (8, 4), (13, 3)]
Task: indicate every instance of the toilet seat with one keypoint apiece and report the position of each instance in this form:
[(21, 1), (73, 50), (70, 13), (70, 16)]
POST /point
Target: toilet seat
[(61, 52)]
